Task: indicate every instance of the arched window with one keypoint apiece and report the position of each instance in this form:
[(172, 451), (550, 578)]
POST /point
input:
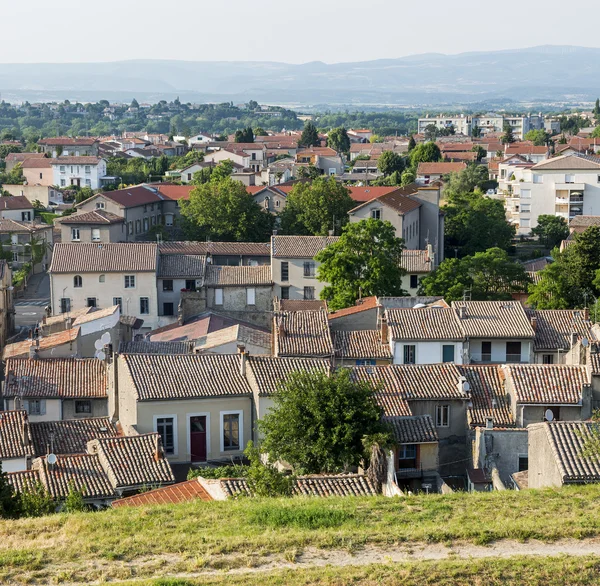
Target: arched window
[(102, 278), (77, 281)]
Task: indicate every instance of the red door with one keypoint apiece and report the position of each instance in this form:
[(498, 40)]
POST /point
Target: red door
[(198, 438)]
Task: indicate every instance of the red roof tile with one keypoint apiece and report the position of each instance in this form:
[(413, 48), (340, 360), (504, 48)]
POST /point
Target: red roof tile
[(168, 495)]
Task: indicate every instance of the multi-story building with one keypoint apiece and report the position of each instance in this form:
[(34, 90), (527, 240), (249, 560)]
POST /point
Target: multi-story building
[(64, 146), (78, 171), (461, 124)]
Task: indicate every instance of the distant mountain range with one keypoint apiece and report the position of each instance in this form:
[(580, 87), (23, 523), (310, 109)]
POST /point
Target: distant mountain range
[(536, 75)]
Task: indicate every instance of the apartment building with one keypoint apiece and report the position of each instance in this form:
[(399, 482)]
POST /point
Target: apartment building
[(78, 171)]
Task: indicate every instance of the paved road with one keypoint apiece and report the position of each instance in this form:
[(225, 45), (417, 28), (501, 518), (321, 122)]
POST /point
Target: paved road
[(29, 308)]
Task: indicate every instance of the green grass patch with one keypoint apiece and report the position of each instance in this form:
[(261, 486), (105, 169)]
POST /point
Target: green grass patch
[(48, 217), (312, 515)]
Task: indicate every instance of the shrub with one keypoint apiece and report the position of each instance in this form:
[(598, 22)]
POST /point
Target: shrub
[(36, 502)]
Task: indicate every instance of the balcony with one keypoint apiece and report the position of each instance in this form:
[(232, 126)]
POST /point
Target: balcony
[(569, 186), (562, 200), (485, 358)]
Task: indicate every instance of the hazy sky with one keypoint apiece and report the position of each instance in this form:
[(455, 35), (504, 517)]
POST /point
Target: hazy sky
[(281, 30)]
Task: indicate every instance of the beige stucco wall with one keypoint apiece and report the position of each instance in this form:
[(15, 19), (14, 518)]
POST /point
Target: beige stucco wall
[(39, 176), (42, 193), (110, 233), (401, 223), (99, 409), (53, 410), (113, 286), (543, 468), (297, 281), (234, 303)]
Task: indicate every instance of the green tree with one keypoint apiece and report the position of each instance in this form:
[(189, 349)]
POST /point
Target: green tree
[(74, 501), (408, 177), (481, 152), (245, 135), (428, 152), (318, 421), (474, 223), (310, 136), (597, 109), (390, 162), (259, 131), (6, 149), (538, 137), (551, 230), (573, 277), (594, 134), (313, 209), (338, 140), (364, 261), (309, 172), (489, 275), (9, 505), (134, 104), (431, 132), (35, 501), (224, 211), (476, 132), (508, 136), (263, 477), (411, 143), (474, 177)]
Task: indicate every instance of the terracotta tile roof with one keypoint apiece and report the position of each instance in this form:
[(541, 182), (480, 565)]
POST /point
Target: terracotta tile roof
[(582, 223), (549, 384), (360, 345), (15, 202), (494, 319), (100, 217), (316, 485), (134, 460), (426, 323), (13, 428), (397, 201), (567, 162), (19, 227), (20, 157), (82, 471), (554, 328), (299, 246), (459, 156), (302, 333), (416, 261), (364, 304), (238, 333), (440, 168), (94, 314), (84, 257), (148, 347), (216, 248), (23, 480), (174, 192), (133, 196), (64, 378), (238, 276), (418, 429), (69, 436), (67, 141), (234, 487), (537, 264), (322, 151), (167, 495), (488, 395), (172, 266), (36, 163), (266, 373), (334, 485), (92, 161), (525, 149), (21, 349), (521, 479), (567, 440), (383, 380), (159, 377), (456, 146), (302, 304), (364, 194)]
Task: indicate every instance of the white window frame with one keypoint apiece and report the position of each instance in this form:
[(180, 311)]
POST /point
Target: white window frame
[(241, 429), (376, 214), (219, 296), (148, 299), (73, 232), (95, 234), (175, 438), (439, 421), (251, 296), (125, 277), (100, 205), (188, 417), (42, 407)]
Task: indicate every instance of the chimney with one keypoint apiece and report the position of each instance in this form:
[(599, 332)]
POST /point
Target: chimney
[(586, 314), (156, 447), (243, 357), (462, 312), (385, 334), (489, 423), (24, 433), (430, 252), (534, 323), (33, 352)]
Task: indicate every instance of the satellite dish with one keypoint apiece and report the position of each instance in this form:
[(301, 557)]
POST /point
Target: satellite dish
[(101, 355), (98, 345), (52, 459), (466, 387), (105, 339), (585, 342), (549, 415)]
